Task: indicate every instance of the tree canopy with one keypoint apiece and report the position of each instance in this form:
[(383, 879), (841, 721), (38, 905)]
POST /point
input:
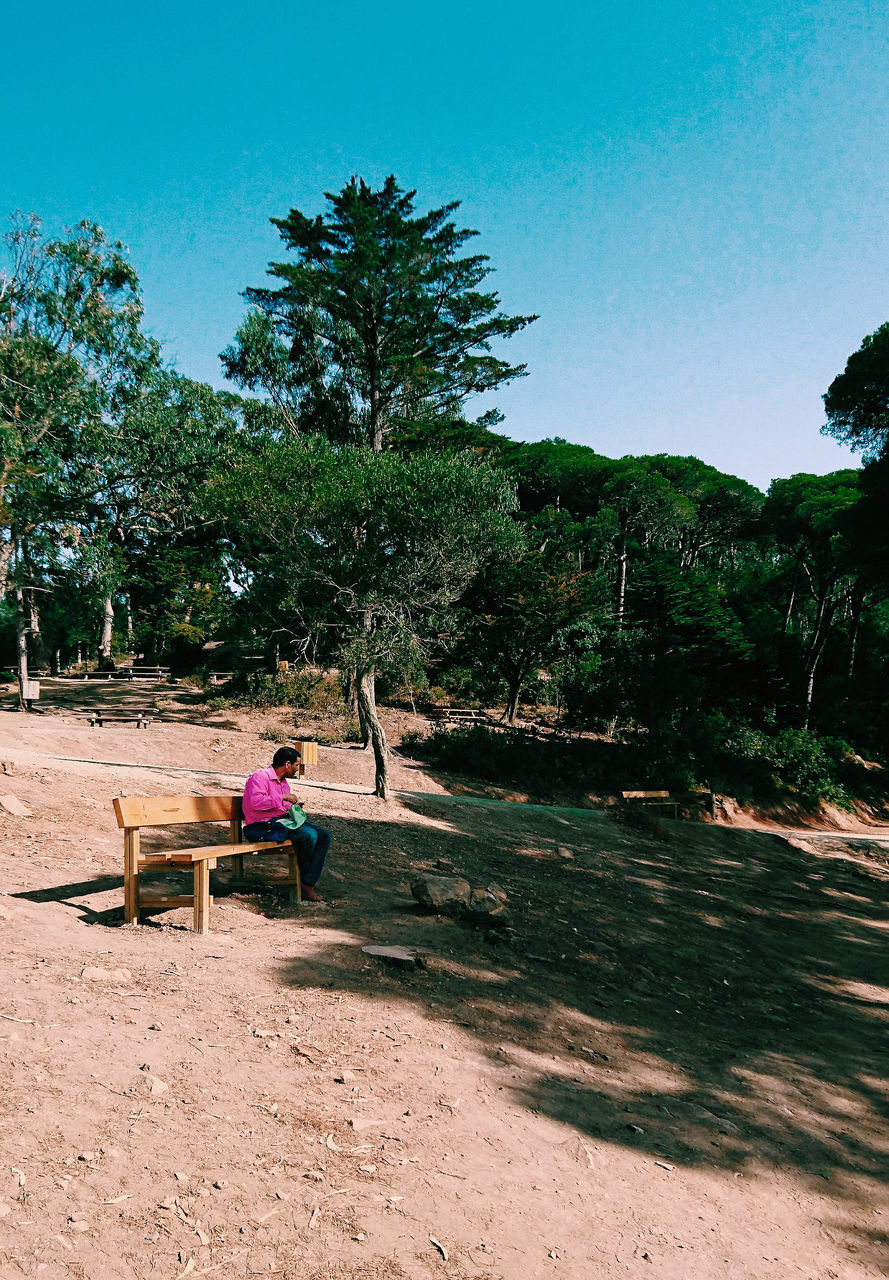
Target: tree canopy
[(380, 321)]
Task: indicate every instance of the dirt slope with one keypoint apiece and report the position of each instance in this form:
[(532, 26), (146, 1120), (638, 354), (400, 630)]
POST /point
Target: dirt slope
[(675, 1066)]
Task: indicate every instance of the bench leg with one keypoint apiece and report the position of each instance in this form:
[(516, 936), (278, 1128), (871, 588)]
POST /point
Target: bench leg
[(131, 876), (202, 896), (295, 891)]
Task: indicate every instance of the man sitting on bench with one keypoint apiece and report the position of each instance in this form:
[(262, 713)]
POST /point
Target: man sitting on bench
[(267, 799)]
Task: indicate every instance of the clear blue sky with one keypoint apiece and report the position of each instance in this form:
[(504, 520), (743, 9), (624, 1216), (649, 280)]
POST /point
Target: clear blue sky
[(693, 197)]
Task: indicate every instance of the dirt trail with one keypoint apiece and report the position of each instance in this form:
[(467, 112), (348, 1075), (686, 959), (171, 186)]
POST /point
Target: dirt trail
[(675, 1066)]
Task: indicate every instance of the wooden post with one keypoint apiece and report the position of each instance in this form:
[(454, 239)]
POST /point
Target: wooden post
[(131, 875), (202, 896), (295, 891), (235, 835)]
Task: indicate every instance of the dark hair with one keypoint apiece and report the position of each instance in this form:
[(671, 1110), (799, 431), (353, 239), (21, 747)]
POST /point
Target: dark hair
[(285, 755)]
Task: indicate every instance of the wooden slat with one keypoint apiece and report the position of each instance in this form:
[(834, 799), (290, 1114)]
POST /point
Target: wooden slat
[(213, 851), (309, 752), (646, 795), (169, 900), (161, 811)]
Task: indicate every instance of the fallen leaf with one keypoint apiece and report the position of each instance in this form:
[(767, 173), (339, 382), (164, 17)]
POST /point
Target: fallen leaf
[(440, 1247)]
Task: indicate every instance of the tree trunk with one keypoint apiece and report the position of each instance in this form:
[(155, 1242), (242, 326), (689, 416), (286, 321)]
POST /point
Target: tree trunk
[(38, 648), (6, 551), (857, 608), (107, 627), (622, 584), (21, 644), (514, 684), (350, 692), (367, 709), (129, 623), (364, 724)]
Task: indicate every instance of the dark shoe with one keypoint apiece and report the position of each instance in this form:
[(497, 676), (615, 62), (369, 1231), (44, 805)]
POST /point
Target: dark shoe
[(309, 894)]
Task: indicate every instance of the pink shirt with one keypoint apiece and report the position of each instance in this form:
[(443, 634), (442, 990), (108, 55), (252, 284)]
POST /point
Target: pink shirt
[(262, 796)]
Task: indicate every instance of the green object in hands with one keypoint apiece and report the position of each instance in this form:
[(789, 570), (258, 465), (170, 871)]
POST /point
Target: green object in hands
[(293, 818)]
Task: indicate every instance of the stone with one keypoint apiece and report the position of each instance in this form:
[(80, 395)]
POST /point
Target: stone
[(401, 957), (448, 895), (92, 973), (490, 901)]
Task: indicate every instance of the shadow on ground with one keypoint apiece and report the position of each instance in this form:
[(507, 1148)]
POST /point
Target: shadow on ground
[(714, 998)]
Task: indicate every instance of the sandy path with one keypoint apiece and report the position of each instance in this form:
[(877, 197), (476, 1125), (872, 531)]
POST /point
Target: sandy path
[(675, 1067)]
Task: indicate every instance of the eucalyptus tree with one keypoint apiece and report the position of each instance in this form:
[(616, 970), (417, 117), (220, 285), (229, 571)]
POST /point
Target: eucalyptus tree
[(379, 321), (379, 547), (71, 350), (141, 472)]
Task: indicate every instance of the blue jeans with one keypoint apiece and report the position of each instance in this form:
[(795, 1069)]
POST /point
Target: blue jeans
[(310, 844)]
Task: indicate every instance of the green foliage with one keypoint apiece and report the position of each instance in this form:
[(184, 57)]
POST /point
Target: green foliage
[(789, 762), (303, 690), (857, 401), (379, 325), (374, 546)]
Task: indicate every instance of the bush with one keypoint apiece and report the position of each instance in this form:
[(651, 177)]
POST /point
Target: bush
[(275, 733), (518, 759), (305, 690), (347, 731), (751, 762)]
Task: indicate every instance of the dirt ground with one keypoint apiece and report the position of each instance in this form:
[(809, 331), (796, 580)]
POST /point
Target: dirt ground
[(673, 1065)]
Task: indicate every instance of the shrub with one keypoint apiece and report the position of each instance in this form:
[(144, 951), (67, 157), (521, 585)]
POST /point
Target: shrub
[(275, 733), (347, 731), (305, 690)]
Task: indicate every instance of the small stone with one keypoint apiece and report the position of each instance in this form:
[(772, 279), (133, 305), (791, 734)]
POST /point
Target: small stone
[(401, 957), (87, 1155), (92, 973), (220, 1183), (345, 1077), (156, 1086)]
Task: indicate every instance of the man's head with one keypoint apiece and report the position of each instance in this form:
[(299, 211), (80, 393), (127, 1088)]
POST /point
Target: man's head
[(285, 762)]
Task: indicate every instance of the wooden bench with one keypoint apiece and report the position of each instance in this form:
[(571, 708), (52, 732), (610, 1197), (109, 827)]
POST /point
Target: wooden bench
[(137, 672), (98, 717), (458, 715), (135, 812), (669, 800)]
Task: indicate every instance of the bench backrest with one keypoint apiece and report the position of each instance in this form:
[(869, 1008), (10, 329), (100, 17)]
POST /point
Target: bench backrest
[(164, 811), (647, 795)]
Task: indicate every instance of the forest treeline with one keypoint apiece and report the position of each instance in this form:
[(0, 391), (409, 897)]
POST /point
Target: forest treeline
[(344, 511)]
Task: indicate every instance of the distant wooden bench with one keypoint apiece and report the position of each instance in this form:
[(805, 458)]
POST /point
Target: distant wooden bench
[(459, 715), (669, 800), (135, 812), (99, 717), (220, 677), (136, 672)]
